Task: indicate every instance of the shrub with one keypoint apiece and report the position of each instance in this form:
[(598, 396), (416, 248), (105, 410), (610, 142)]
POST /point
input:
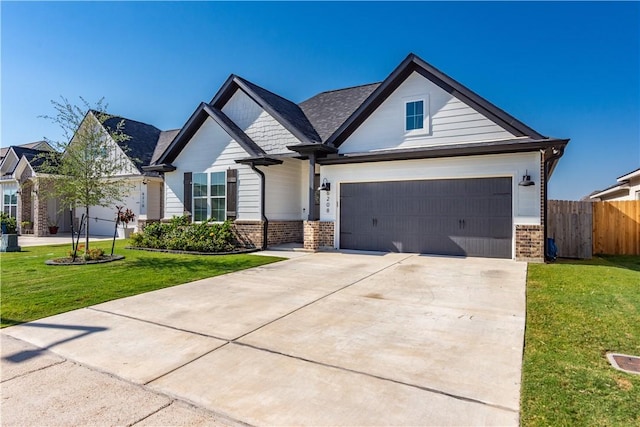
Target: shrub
[(180, 234), (95, 253), (8, 223)]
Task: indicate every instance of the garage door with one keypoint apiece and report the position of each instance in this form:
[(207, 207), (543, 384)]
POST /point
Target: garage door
[(469, 217)]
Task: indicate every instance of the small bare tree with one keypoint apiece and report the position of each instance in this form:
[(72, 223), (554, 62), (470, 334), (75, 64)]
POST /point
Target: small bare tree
[(86, 167)]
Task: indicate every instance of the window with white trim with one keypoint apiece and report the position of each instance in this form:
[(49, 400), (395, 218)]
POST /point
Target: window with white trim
[(10, 202), (209, 196), (414, 115)]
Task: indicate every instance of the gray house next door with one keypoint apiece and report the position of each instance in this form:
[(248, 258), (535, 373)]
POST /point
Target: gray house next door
[(469, 217)]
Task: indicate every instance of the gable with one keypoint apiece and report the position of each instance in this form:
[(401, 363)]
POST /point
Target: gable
[(116, 152), (448, 120), (210, 146), (9, 163), (258, 124)]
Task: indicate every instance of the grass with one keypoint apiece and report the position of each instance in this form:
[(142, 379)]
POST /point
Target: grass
[(577, 311), (32, 290)]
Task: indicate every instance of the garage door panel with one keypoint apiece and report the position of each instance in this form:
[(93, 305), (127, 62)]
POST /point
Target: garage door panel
[(470, 217)]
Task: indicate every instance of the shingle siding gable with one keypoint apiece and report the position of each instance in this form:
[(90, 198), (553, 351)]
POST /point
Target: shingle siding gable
[(261, 127)]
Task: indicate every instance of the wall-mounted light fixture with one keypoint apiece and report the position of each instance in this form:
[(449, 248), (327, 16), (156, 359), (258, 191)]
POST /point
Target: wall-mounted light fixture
[(526, 180), (326, 185)]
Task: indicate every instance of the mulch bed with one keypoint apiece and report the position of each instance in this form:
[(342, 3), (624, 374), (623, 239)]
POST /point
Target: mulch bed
[(172, 251), (79, 261)]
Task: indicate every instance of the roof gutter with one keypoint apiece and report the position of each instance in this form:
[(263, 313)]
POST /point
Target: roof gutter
[(253, 163)]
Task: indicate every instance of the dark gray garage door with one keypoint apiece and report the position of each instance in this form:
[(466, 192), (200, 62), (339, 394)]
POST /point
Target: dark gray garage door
[(469, 217)]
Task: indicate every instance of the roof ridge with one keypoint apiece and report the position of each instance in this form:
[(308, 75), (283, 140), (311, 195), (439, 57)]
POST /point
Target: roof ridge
[(266, 90), (349, 87), (116, 116)]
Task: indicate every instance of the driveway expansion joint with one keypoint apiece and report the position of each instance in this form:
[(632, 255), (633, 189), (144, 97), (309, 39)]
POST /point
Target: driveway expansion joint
[(419, 387), (166, 405), (34, 370), (158, 324)]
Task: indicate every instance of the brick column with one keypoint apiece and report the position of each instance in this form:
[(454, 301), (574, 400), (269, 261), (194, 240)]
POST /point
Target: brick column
[(311, 235), (318, 234), (530, 243)]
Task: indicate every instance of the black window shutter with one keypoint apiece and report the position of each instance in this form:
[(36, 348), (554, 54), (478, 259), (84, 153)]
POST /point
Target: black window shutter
[(232, 194), (187, 193)]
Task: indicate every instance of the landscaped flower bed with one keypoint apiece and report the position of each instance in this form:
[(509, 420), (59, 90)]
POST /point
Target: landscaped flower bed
[(181, 235)]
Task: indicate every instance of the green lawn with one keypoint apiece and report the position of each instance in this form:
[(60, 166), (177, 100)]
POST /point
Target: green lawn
[(577, 311), (32, 290)]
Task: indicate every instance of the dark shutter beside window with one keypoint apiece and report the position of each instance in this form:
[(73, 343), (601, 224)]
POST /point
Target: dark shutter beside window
[(232, 193), (188, 196)]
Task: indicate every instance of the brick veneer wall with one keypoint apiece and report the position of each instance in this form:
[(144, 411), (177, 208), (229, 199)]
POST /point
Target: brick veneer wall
[(530, 243), (249, 233), (40, 209), (318, 234), (24, 207), (280, 232)]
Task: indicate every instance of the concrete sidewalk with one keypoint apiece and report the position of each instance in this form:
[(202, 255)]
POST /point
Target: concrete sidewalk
[(26, 240), (323, 339)]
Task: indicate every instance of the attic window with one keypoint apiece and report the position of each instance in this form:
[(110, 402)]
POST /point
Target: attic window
[(414, 115)]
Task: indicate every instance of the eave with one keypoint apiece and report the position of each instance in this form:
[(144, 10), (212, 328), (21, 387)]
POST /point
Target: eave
[(163, 167), (259, 161), (457, 150), (621, 189), (306, 149)]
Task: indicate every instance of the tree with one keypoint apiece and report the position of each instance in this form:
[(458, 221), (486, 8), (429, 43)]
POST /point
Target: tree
[(86, 170)]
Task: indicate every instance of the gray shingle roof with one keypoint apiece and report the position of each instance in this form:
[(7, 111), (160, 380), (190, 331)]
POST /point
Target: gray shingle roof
[(291, 113), (142, 142), (328, 110), (32, 145), (32, 156), (166, 136)]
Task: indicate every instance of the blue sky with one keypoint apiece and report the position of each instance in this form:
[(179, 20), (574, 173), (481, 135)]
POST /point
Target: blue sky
[(569, 70)]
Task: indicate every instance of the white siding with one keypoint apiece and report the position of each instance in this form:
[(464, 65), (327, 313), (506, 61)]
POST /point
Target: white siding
[(102, 219), (115, 152), (450, 121), (263, 129), (210, 150), (284, 187), (9, 163), (526, 200)]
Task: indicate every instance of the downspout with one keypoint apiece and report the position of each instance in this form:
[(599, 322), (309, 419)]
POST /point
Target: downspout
[(265, 221), (559, 151)]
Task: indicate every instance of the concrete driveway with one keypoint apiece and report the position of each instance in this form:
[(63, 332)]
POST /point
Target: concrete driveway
[(323, 339)]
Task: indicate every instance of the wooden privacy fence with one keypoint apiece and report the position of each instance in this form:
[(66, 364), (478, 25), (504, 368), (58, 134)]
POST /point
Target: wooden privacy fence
[(616, 228), (571, 225), (581, 229)]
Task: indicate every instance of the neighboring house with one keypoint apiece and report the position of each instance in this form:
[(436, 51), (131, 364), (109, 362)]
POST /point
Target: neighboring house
[(36, 203), (627, 188), (9, 182), (415, 163)]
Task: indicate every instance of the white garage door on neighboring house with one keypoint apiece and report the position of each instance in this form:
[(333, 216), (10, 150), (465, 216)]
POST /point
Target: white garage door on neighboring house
[(468, 217)]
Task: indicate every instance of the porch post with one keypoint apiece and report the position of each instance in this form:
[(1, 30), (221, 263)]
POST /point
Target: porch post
[(312, 173)]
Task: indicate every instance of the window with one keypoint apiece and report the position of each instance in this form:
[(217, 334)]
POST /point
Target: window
[(414, 117), (638, 195), (209, 196), (10, 202)]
